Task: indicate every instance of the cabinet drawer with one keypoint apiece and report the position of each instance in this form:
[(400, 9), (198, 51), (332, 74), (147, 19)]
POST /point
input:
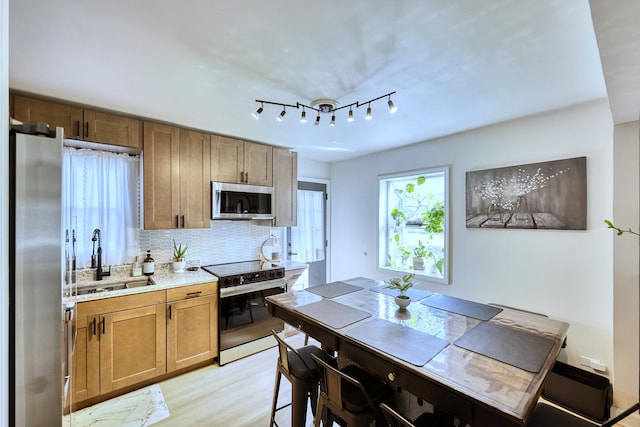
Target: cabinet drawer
[(192, 291), (125, 302)]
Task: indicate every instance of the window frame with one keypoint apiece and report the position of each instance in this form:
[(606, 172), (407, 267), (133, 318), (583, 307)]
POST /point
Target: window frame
[(384, 218)]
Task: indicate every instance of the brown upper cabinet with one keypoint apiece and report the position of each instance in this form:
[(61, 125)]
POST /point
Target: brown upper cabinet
[(285, 185), (79, 123), (241, 162), (176, 177)]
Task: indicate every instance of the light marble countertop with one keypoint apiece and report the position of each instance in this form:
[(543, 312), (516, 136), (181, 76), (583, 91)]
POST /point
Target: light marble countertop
[(160, 280), (291, 265), (163, 278)]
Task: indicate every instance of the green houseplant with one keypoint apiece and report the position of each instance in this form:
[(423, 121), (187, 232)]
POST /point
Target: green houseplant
[(178, 257), (402, 285)]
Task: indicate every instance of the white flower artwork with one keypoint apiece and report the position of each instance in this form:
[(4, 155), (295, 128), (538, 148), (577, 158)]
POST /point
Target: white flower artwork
[(547, 195)]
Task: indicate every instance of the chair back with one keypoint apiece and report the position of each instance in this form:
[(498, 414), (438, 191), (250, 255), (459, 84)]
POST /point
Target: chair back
[(331, 384), (393, 417), (285, 350)]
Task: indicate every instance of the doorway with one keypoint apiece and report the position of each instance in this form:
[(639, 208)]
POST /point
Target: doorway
[(307, 243)]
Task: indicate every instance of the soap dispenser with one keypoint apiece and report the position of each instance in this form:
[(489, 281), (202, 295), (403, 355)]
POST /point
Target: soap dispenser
[(148, 265)]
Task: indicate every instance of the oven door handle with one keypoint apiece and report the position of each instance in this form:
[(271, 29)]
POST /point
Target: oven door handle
[(253, 287)]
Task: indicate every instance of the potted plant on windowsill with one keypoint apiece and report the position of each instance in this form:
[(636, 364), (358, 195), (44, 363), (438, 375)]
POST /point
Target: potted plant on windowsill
[(402, 285), (419, 256), (178, 257)]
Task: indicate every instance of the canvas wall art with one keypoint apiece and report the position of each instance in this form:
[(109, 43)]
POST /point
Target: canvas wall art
[(546, 195)]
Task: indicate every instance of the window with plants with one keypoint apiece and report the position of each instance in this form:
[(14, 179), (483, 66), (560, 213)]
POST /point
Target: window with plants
[(413, 223)]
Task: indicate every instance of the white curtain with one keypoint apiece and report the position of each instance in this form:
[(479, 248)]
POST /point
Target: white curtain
[(307, 239), (101, 191)]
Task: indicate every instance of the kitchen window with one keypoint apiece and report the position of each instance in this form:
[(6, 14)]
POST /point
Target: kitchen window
[(101, 190), (414, 223)]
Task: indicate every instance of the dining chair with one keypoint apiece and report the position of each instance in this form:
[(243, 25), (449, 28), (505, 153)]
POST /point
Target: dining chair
[(297, 366), (350, 394), (394, 418), (545, 415)]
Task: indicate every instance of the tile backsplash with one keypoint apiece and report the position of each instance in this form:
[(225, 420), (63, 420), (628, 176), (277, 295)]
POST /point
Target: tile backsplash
[(225, 241)]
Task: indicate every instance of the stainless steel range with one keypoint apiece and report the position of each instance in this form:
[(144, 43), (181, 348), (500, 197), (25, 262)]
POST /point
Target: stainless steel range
[(244, 321)]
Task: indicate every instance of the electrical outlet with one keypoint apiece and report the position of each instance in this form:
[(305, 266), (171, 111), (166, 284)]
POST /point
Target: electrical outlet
[(593, 363)]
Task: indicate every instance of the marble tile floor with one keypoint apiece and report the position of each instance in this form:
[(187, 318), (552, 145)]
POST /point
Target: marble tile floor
[(140, 408)]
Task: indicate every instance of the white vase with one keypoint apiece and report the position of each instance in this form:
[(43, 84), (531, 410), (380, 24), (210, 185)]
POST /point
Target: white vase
[(403, 302), (178, 266)]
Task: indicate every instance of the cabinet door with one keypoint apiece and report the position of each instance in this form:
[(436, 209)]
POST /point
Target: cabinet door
[(132, 346), (32, 110), (86, 360), (112, 129), (227, 160), (258, 164), (195, 179), (161, 176), (192, 331), (285, 187)]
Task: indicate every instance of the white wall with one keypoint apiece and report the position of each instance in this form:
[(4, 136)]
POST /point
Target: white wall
[(4, 212), (308, 168), (565, 274), (626, 200)]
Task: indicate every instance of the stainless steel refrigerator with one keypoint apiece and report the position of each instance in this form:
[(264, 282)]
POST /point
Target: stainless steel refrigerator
[(36, 312)]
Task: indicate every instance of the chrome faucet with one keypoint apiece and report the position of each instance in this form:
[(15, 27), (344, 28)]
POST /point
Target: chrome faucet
[(98, 265)]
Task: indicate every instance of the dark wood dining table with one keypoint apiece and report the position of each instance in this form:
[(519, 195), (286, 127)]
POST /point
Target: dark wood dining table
[(482, 363)]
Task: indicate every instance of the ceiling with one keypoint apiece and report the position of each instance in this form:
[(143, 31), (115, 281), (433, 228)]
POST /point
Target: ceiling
[(455, 65)]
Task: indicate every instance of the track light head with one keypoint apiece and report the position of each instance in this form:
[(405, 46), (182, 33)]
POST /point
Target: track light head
[(256, 114), (317, 120), (303, 116), (333, 120), (350, 118), (368, 116), (281, 116), (392, 108)]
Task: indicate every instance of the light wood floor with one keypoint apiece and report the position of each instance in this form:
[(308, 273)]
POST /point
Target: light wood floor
[(235, 395)]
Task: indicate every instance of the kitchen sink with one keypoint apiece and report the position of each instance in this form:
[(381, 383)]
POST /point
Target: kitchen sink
[(106, 287)]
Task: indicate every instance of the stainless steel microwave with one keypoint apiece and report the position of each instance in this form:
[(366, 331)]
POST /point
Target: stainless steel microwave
[(241, 201)]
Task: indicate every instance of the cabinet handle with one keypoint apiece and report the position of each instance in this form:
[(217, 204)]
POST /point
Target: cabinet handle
[(169, 312), (177, 221), (246, 177), (86, 130), (103, 326), (78, 128), (241, 177), (94, 326), (182, 221), (193, 294)]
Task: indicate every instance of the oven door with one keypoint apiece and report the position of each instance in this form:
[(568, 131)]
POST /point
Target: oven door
[(244, 321)]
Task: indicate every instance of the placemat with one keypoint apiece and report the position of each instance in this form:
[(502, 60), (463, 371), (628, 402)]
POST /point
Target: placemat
[(524, 350), (332, 314), (462, 306), (414, 294), (399, 341), (333, 289)]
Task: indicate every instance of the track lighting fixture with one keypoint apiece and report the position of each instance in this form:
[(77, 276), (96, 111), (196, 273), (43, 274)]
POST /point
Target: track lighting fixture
[(392, 108), (326, 106), (256, 114)]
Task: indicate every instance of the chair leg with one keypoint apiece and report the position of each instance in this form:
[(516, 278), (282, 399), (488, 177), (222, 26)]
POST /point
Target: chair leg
[(276, 391), (320, 413)]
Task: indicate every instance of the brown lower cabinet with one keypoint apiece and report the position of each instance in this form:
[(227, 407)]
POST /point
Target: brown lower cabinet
[(127, 340), (192, 325)]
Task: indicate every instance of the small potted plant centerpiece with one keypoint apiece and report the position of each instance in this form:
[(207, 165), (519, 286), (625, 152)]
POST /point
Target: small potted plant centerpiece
[(402, 285), (178, 257)]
